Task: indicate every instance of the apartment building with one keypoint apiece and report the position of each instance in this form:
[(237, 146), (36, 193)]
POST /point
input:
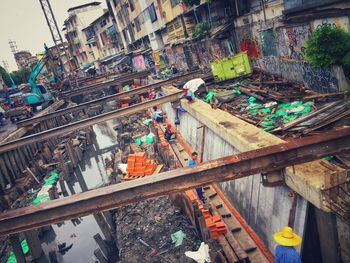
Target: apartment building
[(80, 17)]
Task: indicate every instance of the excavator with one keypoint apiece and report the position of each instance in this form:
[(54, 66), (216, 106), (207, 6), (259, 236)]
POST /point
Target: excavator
[(39, 94)]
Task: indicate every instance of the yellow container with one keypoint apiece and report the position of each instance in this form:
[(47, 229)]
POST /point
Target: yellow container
[(232, 67)]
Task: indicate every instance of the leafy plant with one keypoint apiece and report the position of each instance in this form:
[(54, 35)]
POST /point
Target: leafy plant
[(328, 46), (201, 29)]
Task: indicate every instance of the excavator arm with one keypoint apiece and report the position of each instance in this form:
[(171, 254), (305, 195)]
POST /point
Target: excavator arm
[(35, 72)]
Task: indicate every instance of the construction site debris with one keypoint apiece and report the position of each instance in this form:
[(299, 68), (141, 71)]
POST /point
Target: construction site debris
[(201, 255), (153, 221)]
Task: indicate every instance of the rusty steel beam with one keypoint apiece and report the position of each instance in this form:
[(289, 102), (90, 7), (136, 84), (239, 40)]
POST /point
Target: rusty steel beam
[(103, 100), (105, 85), (66, 129), (265, 159)]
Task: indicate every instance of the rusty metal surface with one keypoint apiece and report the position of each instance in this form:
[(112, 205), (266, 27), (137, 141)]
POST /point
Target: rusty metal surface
[(219, 170), (66, 129), (105, 99)]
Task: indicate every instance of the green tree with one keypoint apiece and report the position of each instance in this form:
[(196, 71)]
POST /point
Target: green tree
[(5, 77), (327, 46), (18, 76)]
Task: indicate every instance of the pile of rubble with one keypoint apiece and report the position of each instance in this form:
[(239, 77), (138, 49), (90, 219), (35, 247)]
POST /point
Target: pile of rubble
[(154, 221)]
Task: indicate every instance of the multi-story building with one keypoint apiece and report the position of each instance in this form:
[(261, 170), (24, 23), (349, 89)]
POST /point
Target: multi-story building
[(24, 59), (102, 38), (80, 17)]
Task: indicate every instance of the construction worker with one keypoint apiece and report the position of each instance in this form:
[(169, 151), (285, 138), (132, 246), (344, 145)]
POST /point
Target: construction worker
[(157, 115), (193, 161), (285, 251), (168, 132)]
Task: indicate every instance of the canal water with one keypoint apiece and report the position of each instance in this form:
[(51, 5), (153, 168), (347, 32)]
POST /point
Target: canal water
[(89, 175)]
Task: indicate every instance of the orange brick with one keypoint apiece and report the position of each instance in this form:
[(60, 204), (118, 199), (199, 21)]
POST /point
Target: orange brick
[(216, 218)]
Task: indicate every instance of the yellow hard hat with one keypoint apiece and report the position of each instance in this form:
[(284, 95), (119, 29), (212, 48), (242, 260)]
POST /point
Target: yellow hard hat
[(287, 237)]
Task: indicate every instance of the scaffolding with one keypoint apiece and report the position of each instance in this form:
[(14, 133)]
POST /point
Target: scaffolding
[(57, 38)]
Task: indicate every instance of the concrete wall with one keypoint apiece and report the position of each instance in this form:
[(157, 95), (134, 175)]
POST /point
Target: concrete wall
[(279, 48), (265, 209)]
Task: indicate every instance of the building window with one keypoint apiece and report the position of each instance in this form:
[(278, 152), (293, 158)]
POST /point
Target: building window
[(152, 13), (174, 2), (137, 24), (103, 23)]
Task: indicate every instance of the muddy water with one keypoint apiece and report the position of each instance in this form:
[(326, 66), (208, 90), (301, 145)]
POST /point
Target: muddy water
[(89, 175)]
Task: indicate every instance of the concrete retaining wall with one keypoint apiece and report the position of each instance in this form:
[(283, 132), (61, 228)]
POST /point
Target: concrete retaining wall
[(265, 209)]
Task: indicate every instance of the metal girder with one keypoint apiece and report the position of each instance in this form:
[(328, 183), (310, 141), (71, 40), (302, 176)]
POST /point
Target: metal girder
[(103, 100), (41, 136), (265, 159), (105, 85)]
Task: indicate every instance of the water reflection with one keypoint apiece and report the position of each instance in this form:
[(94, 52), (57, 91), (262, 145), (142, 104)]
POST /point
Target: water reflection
[(88, 175)]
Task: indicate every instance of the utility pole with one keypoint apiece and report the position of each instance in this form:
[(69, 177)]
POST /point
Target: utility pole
[(57, 38)]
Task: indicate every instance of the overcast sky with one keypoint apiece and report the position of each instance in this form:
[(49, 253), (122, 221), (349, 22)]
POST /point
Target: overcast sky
[(23, 21)]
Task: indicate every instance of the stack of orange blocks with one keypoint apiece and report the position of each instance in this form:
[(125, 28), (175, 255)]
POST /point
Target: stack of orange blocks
[(215, 224), (125, 105), (139, 165), (163, 141)]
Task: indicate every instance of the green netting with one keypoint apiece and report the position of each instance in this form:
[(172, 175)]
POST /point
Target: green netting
[(254, 106), (328, 158), (126, 88), (268, 123), (147, 121), (265, 110), (242, 83), (281, 112), (236, 91), (149, 138), (138, 141), (12, 257), (52, 180), (251, 100), (209, 96), (41, 199)]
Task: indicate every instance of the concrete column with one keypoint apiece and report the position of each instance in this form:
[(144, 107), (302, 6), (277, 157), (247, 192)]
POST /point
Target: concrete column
[(327, 231)]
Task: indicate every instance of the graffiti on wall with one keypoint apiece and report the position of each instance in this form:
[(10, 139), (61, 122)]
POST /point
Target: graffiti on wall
[(299, 71), (251, 46), (281, 42), (296, 38), (139, 62), (340, 22), (268, 42)]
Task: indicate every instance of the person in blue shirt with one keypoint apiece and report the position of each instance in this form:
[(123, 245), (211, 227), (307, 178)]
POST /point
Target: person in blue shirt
[(191, 162), (157, 115), (285, 251)]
